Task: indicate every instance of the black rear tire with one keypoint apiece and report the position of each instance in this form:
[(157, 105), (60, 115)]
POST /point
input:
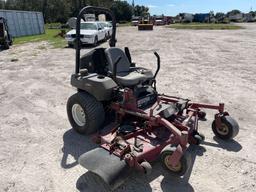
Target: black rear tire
[(106, 38), (95, 41), (10, 40), (91, 116), (6, 45), (182, 166), (70, 45), (228, 130)]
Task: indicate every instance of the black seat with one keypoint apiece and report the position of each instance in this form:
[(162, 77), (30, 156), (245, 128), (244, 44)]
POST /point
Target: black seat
[(126, 75), (95, 62)]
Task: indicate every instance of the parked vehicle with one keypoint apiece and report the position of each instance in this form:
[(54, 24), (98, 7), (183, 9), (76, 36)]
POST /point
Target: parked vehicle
[(135, 21), (91, 33), (146, 24), (186, 17), (108, 27), (236, 17), (5, 37), (201, 18), (159, 20)]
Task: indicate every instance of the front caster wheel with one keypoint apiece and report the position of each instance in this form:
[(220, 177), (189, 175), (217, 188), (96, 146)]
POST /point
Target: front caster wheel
[(202, 115), (147, 167), (199, 138), (181, 168), (228, 129)]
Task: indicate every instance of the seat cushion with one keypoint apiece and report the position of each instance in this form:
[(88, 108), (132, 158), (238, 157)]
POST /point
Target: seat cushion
[(143, 71), (133, 77), (126, 75)]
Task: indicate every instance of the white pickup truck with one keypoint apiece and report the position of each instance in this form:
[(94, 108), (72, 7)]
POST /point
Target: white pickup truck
[(91, 33)]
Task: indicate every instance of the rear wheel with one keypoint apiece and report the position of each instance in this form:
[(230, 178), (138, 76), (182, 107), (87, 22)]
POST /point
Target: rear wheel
[(181, 168), (75, 44), (11, 40), (71, 45), (85, 113), (95, 43), (228, 130), (106, 37), (6, 44)]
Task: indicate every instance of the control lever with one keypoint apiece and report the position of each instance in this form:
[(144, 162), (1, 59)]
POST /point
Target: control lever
[(158, 63)]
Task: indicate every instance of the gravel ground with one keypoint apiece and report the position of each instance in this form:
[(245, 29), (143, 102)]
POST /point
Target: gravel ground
[(39, 151)]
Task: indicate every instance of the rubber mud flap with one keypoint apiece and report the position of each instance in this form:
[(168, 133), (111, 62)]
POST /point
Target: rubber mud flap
[(108, 167)]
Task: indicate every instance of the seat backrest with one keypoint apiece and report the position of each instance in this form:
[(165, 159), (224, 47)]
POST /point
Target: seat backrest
[(112, 55), (95, 61)]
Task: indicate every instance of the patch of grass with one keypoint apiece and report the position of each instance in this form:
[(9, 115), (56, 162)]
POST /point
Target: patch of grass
[(51, 35), (205, 26), (124, 24), (53, 25)]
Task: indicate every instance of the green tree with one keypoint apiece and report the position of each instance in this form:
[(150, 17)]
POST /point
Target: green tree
[(54, 10), (122, 10), (141, 11), (234, 12), (253, 13), (2, 4)]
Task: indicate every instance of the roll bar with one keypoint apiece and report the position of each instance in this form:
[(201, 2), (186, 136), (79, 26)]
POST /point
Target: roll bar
[(89, 9)]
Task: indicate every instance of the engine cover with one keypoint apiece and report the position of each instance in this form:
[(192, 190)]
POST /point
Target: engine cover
[(146, 96)]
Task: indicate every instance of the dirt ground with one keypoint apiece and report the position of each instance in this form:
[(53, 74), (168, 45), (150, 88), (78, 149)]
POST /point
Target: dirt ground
[(39, 151)]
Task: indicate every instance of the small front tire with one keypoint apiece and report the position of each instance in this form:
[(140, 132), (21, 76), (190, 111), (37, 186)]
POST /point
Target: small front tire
[(199, 138), (147, 167), (202, 115), (228, 130), (181, 168)]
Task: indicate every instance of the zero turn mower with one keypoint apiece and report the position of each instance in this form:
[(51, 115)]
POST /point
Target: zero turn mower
[(133, 124)]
